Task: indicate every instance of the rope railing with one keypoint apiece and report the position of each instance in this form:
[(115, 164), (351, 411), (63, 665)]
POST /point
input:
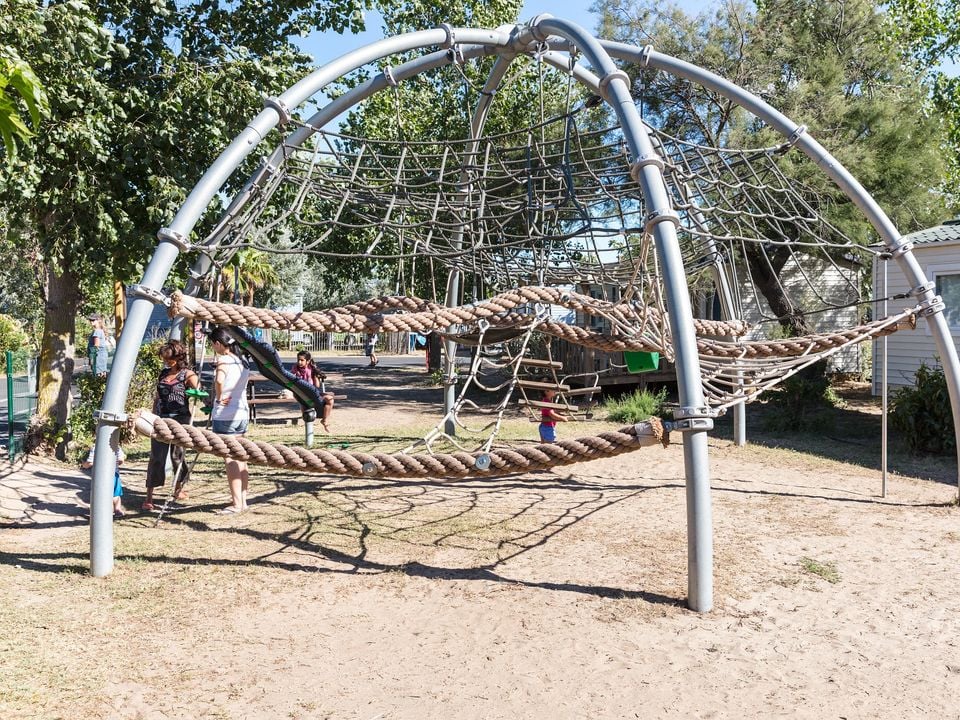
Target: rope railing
[(498, 311), (359, 317), (495, 462)]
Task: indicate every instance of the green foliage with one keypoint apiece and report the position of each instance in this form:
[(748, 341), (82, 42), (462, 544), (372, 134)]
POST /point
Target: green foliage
[(824, 63), (638, 405), (13, 339), (12, 334), (928, 32), (922, 414), (90, 397), (802, 402), (143, 98), (825, 570), (18, 85)]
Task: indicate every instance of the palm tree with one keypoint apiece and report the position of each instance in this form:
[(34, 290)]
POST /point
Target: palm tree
[(248, 271)]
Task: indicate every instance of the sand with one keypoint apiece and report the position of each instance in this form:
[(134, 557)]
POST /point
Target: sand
[(557, 595)]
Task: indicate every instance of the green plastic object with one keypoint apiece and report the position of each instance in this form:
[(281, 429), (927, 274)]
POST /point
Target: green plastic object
[(197, 392), (641, 362)]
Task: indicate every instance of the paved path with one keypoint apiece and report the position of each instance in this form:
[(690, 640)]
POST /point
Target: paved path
[(38, 493)]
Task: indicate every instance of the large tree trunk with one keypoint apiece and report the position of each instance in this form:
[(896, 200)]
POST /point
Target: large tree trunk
[(765, 268), (57, 347)]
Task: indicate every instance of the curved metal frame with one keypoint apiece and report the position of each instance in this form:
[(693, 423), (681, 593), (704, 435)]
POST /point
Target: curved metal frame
[(553, 40)]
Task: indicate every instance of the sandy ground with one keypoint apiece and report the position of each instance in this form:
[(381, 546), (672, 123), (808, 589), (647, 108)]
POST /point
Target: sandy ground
[(558, 595)]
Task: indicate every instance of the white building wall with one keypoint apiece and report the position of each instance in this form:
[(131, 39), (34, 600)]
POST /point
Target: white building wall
[(907, 349), (818, 281)]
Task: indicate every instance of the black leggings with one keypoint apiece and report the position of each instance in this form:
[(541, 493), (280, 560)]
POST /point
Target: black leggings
[(157, 465)]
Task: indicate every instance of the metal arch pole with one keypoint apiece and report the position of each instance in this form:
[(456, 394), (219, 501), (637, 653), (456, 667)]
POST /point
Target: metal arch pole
[(846, 182), (651, 181), (172, 239), (883, 417)]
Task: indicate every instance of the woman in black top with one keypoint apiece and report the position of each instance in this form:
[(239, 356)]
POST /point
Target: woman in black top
[(170, 401)]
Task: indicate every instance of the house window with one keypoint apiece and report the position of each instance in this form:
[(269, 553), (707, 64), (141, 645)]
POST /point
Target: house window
[(947, 279), (948, 287)]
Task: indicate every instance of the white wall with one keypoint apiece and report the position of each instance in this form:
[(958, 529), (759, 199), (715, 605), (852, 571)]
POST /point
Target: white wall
[(818, 279), (906, 349)]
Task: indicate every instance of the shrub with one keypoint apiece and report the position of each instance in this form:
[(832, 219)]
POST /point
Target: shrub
[(802, 402), (638, 405), (922, 414), (91, 388), (12, 334), (15, 339)]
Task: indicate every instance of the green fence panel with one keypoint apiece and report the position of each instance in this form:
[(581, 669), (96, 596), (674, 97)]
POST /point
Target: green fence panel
[(20, 370)]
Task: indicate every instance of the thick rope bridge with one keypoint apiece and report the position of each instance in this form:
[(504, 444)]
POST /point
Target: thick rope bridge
[(500, 312), (502, 461)]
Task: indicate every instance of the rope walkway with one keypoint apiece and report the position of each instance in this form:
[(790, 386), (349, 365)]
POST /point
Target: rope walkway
[(500, 461), (499, 311), (424, 316)]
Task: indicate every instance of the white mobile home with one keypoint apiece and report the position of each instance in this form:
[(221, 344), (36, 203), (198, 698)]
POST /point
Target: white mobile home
[(937, 249), (833, 284)]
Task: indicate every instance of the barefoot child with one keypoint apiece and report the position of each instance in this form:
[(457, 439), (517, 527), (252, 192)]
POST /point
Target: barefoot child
[(549, 419), (117, 486)]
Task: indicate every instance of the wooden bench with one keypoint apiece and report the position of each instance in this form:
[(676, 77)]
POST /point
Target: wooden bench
[(273, 400)]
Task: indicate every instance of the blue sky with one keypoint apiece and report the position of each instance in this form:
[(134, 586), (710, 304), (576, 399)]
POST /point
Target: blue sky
[(328, 46)]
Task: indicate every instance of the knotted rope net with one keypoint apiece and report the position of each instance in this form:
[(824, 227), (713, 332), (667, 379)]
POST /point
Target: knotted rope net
[(542, 232)]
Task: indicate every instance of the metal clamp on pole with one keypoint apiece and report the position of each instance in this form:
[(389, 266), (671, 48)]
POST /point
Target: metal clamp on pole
[(922, 291), (898, 250), (794, 137), (172, 236), (645, 55), (637, 165), (658, 216), (687, 419), (606, 79), (388, 76), (155, 296), (283, 112), (931, 306), (105, 417)]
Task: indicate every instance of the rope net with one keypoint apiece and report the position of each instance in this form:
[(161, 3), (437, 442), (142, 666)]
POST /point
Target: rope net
[(548, 232)]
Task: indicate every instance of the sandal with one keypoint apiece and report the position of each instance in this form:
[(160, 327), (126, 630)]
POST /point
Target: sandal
[(147, 506), (229, 510)]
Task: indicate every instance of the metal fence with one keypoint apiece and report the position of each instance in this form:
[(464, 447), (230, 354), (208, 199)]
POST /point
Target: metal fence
[(398, 343), (20, 398)]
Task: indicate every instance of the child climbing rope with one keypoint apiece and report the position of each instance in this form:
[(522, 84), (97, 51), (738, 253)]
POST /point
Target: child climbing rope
[(549, 419)]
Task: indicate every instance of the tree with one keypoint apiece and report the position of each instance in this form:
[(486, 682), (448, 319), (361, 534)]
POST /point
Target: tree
[(137, 91), (822, 63), (246, 272), (928, 31)]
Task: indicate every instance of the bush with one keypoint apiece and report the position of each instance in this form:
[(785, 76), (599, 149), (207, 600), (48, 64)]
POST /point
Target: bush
[(15, 339), (922, 414), (638, 405), (804, 401), (91, 388)]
